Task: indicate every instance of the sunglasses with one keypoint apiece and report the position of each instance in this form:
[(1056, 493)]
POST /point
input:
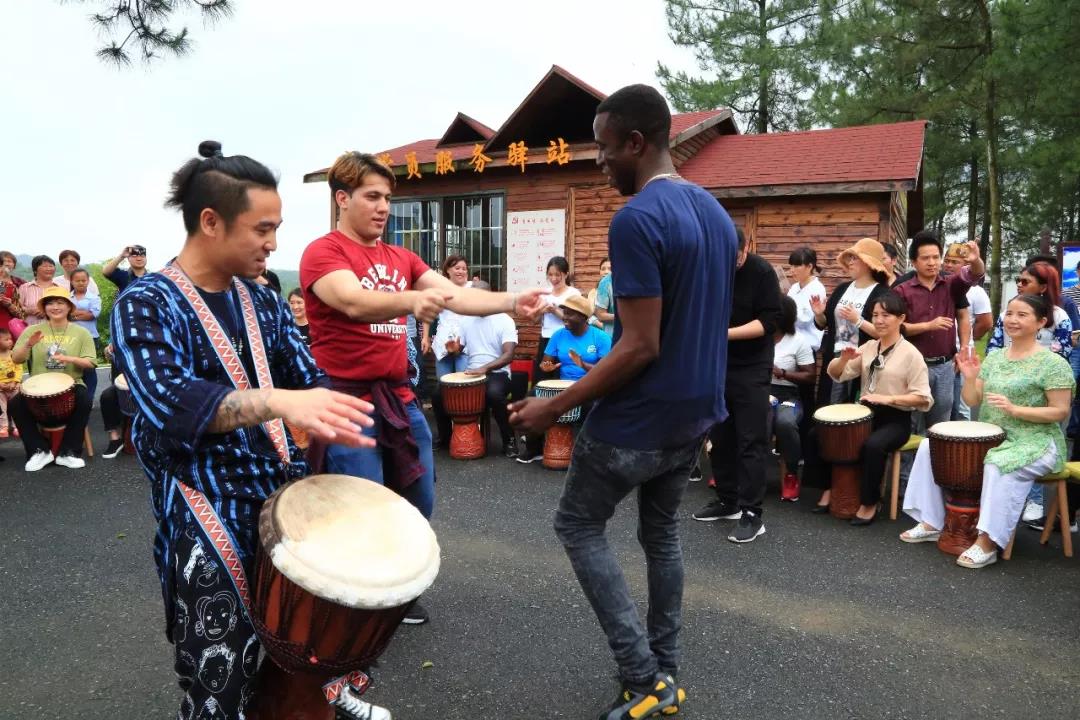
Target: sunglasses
[(1024, 282), (138, 253)]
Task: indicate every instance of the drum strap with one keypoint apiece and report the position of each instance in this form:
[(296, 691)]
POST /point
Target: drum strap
[(214, 529), (227, 354), (225, 549)]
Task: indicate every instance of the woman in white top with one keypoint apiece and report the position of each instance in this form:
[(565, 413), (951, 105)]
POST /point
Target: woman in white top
[(793, 366), (557, 270), (449, 351), (805, 285)]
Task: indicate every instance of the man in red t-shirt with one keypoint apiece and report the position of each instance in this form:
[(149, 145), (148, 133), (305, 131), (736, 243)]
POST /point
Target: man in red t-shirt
[(358, 290)]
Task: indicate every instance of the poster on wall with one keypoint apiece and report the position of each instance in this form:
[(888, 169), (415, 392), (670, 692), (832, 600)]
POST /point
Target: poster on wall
[(532, 238), (1070, 256)]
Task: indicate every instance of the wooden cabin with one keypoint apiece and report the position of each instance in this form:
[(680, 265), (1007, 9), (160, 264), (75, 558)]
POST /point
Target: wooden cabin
[(508, 199)]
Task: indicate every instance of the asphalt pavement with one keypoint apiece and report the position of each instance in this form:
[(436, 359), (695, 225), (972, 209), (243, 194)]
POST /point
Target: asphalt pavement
[(815, 619)]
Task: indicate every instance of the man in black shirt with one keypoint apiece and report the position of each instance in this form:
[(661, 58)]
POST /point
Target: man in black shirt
[(739, 443)]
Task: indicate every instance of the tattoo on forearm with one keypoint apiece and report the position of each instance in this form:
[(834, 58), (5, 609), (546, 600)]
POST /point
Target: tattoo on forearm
[(241, 408)]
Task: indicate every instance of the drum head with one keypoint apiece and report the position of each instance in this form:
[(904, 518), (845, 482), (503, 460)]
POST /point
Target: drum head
[(460, 378), (842, 413), (46, 384), (350, 541), (120, 382), (557, 385), (966, 430)]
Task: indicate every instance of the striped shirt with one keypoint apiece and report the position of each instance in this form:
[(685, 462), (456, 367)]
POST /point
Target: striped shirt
[(29, 295), (177, 383)]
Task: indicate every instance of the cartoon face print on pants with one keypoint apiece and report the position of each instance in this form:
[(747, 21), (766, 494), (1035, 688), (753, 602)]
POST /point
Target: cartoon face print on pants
[(215, 667), (200, 568), (216, 615), (185, 668), (187, 708), (211, 711), (180, 621), (250, 659)]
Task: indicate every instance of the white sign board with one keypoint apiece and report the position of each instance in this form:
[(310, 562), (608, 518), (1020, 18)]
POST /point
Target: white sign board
[(532, 238)]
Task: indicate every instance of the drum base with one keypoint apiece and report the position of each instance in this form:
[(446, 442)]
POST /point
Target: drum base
[(845, 491), (466, 442), (961, 517), (289, 696), (558, 446), (55, 436)]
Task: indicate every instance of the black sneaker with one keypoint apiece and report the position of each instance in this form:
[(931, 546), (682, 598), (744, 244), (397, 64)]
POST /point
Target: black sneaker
[(526, 458), (717, 510), (695, 474), (1040, 525), (510, 449), (749, 527), (633, 705), (115, 446), (416, 615)]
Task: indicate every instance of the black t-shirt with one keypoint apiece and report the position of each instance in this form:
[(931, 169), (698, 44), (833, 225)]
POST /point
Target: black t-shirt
[(756, 296), (226, 308)]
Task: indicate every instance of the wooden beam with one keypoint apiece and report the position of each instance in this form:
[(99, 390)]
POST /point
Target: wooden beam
[(878, 186)]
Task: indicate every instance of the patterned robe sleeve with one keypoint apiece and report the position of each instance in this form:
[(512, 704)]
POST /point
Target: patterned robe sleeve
[(997, 339), (1063, 337)]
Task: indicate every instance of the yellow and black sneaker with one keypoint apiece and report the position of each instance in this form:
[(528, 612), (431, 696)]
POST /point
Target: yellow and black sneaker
[(662, 699)]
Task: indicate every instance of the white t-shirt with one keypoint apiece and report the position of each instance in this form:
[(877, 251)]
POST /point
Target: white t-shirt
[(551, 321), (979, 303), (847, 332), (789, 353), (450, 326), (484, 338), (804, 320)]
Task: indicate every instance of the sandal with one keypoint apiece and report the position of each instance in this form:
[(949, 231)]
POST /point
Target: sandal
[(920, 533), (975, 557)]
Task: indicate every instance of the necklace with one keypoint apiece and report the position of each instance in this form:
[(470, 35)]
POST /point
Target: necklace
[(662, 176)]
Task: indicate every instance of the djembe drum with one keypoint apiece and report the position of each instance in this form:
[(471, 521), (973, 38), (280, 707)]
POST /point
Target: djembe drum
[(340, 561), (464, 397), (559, 438), (842, 431), (957, 452), (50, 398)]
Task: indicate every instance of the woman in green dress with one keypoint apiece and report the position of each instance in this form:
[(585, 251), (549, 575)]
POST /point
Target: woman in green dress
[(1027, 391)]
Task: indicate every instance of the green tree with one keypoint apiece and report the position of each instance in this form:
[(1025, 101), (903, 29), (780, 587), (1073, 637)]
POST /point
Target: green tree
[(145, 26), (755, 57)]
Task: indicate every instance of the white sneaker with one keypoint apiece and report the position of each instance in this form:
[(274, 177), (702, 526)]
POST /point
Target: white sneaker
[(351, 706), (70, 461), (1032, 511), (40, 459)]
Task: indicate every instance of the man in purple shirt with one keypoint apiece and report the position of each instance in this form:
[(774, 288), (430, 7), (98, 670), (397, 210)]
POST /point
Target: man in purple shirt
[(932, 301)]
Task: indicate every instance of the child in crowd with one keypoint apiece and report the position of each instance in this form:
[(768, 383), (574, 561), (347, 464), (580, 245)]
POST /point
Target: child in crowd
[(10, 378)]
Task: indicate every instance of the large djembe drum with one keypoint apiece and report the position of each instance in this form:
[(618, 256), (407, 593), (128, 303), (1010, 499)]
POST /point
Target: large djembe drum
[(464, 397), (340, 561), (559, 438), (957, 452), (50, 398), (842, 431)]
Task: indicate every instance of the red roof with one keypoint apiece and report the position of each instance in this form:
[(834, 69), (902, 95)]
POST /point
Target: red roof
[(425, 149), (864, 153)]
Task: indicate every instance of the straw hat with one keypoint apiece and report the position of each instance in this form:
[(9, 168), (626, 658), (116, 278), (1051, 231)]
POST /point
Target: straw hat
[(54, 292), (580, 303), (868, 250)]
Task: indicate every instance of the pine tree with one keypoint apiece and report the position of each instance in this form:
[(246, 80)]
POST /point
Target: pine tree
[(754, 55), (144, 24)]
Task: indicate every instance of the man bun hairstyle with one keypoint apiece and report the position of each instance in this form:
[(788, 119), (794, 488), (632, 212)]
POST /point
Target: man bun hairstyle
[(641, 108), (349, 170), (217, 182)]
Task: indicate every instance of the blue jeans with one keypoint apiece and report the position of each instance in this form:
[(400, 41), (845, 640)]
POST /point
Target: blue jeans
[(600, 476), (451, 364), (368, 462)]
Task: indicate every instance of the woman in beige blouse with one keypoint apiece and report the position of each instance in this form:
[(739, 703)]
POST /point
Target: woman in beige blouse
[(894, 383)]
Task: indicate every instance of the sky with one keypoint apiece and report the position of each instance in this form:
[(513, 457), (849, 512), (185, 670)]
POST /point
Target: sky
[(90, 148)]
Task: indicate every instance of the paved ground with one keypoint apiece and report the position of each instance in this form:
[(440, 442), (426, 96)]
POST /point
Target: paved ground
[(814, 620)]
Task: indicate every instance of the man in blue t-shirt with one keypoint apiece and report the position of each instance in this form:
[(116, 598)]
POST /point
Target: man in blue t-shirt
[(575, 348), (658, 391)]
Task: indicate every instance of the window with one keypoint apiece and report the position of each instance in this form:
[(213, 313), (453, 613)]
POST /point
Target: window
[(437, 228)]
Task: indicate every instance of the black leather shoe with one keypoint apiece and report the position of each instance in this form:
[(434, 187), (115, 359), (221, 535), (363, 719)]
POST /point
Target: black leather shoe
[(820, 509), (862, 522)]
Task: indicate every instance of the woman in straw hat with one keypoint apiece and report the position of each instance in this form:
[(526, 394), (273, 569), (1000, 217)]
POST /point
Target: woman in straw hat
[(846, 317), (55, 345)]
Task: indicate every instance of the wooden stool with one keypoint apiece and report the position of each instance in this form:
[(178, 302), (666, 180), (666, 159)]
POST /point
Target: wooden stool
[(1057, 509), (911, 445)]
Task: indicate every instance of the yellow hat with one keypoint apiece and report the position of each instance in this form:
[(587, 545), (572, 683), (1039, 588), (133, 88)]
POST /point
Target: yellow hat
[(54, 292)]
